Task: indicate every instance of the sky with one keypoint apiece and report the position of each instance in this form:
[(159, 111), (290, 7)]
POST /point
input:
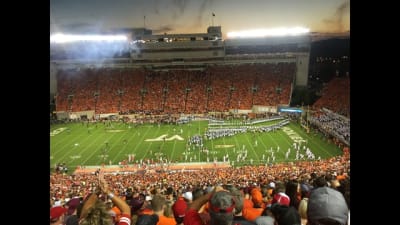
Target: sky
[(194, 16)]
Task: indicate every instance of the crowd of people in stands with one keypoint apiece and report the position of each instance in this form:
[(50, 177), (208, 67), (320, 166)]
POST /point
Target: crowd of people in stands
[(216, 88), (287, 193), (336, 96)]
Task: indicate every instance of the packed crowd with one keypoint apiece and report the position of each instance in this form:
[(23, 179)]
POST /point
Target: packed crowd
[(249, 195), (336, 96), (216, 88)]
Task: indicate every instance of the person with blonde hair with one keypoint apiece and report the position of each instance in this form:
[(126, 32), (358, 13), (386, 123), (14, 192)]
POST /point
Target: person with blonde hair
[(303, 210)]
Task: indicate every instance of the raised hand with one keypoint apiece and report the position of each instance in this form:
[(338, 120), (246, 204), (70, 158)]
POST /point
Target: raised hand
[(103, 183)]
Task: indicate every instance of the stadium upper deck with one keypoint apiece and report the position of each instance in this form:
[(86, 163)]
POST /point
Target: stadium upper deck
[(140, 45), (142, 50)]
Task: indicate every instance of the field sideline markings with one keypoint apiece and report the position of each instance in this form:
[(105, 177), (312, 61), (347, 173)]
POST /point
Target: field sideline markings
[(87, 137), (114, 146), (67, 147), (262, 142), (316, 143), (237, 146), (252, 148), (172, 153), (226, 151), (276, 143), (101, 134), (95, 152), (142, 141), (290, 145)]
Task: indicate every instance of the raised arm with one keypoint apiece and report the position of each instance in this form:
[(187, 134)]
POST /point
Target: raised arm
[(120, 203)]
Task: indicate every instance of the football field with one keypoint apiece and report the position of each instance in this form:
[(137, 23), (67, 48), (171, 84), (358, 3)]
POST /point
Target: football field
[(100, 143)]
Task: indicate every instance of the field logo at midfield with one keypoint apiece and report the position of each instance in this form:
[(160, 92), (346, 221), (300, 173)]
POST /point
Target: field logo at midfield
[(57, 131), (293, 135), (164, 137)]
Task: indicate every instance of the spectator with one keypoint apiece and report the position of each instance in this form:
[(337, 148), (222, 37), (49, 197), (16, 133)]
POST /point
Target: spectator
[(179, 209), (280, 196), (293, 191), (327, 206), (188, 196), (221, 208), (73, 204), (57, 215), (266, 218), (147, 219), (158, 204), (239, 200), (94, 211), (285, 215), (303, 210)]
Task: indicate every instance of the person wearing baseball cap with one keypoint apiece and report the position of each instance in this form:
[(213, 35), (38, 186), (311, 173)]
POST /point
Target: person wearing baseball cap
[(327, 206), (179, 209), (188, 196), (57, 215), (221, 208)]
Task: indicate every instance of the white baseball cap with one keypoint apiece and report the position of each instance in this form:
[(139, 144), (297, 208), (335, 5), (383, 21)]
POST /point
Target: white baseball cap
[(188, 195)]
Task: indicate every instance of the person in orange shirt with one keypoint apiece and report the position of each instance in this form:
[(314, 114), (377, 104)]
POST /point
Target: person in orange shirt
[(248, 203), (251, 214), (257, 198), (158, 204), (238, 213)]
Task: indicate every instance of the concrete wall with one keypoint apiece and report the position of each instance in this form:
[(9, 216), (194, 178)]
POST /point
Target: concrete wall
[(53, 79), (302, 70)]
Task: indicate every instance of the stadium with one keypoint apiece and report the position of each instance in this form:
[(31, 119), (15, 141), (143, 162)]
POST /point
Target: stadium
[(190, 111)]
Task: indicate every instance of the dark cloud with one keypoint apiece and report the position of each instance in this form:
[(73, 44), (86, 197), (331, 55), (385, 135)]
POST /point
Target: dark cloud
[(335, 23), (155, 7), (340, 13), (179, 8), (163, 29), (181, 5), (204, 8)]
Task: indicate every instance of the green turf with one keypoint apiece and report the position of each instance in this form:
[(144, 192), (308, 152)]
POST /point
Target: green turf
[(80, 144)]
